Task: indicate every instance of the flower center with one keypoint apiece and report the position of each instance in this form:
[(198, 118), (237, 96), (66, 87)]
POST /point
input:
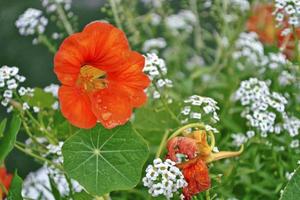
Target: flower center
[(91, 78)]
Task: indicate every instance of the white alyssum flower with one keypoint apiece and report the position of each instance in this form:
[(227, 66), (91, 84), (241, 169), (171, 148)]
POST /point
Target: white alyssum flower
[(289, 9), (154, 3), (239, 139), (55, 105), (36, 109), (182, 21), (25, 106), (200, 109), (287, 78), (155, 19), (156, 69), (154, 44), (249, 50), (37, 184), (262, 106), (10, 84), (242, 5), (163, 178), (294, 144), (53, 89), (31, 22), (51, 5), (289, 175), (291, 125)]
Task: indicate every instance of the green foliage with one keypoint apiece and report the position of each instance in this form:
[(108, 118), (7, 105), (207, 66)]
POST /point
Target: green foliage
[(104, 160), (2, 127), (8, 141), (54, 189), (292, 190), (83, 196), (40, 99), (15, 188)]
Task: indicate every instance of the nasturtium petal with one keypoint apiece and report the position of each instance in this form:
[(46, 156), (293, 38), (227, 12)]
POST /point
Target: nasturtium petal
[(103, 160)]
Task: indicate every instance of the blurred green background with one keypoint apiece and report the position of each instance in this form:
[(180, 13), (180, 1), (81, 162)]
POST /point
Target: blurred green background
[(34, 61)]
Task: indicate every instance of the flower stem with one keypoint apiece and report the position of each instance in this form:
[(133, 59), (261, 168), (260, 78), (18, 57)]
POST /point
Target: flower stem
[(3, 188), (163, 100), (180, 130), (115, 13), (198, 35), (42, 128), (44, 40), (225, 154), (64, 19), (162, 144), (207, 195), (38, 157)]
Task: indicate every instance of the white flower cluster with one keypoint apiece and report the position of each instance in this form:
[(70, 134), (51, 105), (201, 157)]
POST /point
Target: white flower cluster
[(51, 5), (275, 60), (286, 78), (10, 86), (195, 62), (291, 125), (53, 89), (201, 109), (250, 53), (262, 106), (289, 175), (156, 69), (242, 5), (183, 21), (289, 9), (163, 178), (240, 138), (31, 22), (55, 152), (154, 44), (249, 50), (294, 144), (37, 184), (154, 3)]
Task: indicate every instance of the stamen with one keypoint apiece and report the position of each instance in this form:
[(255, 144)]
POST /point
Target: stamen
[(91, 78)]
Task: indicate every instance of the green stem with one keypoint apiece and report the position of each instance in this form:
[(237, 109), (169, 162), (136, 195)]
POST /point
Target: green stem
[(3, 188), (165, 104), (162, 144), (43, 129), (296, 44), (38, 157), (44, 40), (180, 130), (27, 130), (104, 197), (207, 195), (64, 19), (197, 36), (115, 13)]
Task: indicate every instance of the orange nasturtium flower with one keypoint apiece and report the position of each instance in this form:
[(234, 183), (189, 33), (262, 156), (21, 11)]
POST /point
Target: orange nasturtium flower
[(198, 153), (263, 23), (102, 78), (5, 180)]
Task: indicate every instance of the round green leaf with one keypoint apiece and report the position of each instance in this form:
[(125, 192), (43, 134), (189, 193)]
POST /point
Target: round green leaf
[(292, 190), (104, 160)]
